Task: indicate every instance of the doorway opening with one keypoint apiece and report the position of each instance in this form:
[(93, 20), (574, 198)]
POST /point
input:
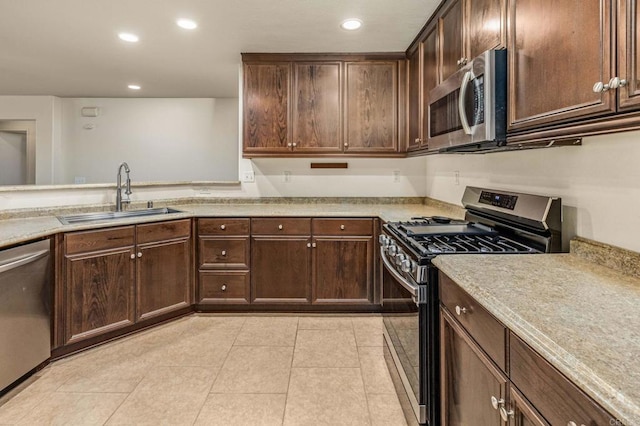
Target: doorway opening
[(17, 152)]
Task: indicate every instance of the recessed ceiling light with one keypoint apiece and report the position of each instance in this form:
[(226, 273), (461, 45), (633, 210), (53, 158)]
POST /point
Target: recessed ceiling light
[(351, 24), (187, 24), (131, 38), (133, 87)]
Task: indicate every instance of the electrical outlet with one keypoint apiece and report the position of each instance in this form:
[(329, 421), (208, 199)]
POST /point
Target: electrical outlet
[(287, 176), (396, 176), (457, 176), (248, 176)]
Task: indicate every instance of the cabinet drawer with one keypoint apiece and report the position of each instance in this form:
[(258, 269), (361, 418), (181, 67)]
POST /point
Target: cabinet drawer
[(216, 252), (337, 227), (281, 226), (153, 232), (490, 334), (105, 239), (223, 226), (224, 287), (557, 399)]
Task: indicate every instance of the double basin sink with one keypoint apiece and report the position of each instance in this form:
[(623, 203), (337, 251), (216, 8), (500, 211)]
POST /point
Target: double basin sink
[(102, 216)]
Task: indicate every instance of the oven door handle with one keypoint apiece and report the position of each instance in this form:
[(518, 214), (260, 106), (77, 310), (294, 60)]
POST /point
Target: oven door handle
[(461, 109), (412, 288)]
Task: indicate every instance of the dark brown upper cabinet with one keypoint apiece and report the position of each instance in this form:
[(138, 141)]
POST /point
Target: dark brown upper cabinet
[(486, 26), (558, 51), (317, 125), (314, 105), (266, 107), (371, 113), (451, 32), (628, 60)]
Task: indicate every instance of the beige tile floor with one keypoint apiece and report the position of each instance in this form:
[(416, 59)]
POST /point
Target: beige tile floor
[(221, 370)]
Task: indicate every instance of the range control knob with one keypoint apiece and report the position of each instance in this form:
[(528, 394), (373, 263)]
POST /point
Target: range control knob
[(392, 249), (400, 257), (384, 240)]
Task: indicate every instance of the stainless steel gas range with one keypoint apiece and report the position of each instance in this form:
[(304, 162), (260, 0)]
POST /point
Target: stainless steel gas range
[(496, 222)]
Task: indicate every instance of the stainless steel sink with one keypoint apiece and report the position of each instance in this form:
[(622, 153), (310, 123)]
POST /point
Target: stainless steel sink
[(101, 216)]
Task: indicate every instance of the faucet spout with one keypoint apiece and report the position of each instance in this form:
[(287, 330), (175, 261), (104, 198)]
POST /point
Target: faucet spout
[(119, 199)]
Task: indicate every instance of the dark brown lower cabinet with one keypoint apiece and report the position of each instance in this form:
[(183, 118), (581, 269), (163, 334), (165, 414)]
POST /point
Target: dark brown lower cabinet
[(469, 379), (163, 276), (281, 269), (522, 412), (99, 282), (342, 270)]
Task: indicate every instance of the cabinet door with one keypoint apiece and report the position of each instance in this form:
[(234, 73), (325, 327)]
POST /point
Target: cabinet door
[(317, 113), (342, 270), (486, 26), (415, 98), (451, 37), (557, 52), (99, 292), (281, 269), (628, 58), (266, 107), (371, 120), (163, 277), (522, 412), (469, 380)]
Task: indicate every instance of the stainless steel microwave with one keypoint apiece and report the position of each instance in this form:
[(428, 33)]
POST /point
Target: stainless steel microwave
[(468, 111)]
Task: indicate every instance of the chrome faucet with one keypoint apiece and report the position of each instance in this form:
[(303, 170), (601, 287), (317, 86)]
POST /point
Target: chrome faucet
[(127, 192)]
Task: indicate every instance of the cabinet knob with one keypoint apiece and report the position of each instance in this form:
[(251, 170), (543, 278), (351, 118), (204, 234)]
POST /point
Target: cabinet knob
[(346, 145), (417, 140), (342, 227), (616, 82), (309, 245), (223, 227), (600, 87), (461, 311), (289, 144), (139, 254), (313, 245), (280, 227), (496, 403), (505, 414), (224, 287), (462, 61), (224, 253), (133, 256), (295, 144)]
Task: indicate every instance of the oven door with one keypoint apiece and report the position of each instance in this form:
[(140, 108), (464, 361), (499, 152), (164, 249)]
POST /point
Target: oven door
[(405, 325)]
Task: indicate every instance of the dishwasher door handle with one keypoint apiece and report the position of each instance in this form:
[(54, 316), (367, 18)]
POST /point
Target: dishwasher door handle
[(16, 263)]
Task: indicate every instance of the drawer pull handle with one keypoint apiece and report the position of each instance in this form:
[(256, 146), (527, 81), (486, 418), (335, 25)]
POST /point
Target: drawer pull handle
[(139, 254), (280, 227), (224, 253), (223, 227), (224, 287), (496, 403), (461, 311), (342, 227)]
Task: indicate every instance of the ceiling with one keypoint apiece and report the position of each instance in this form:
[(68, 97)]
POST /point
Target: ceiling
[(70, 48)]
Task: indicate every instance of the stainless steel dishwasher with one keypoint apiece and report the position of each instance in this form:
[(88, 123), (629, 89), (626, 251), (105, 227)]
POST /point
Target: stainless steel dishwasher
[(25, 310)]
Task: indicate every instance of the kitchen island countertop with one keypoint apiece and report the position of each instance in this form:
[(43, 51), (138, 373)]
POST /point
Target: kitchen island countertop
[(578, 315)]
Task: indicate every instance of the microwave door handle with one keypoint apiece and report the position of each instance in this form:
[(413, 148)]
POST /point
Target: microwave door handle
[(461, 110)]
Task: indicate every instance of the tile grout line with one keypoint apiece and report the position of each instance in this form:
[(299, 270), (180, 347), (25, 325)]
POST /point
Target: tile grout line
[(364, 389), (293, 354)]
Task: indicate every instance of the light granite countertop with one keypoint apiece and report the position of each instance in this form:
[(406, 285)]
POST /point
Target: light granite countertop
[(582, 317), (16, 231)]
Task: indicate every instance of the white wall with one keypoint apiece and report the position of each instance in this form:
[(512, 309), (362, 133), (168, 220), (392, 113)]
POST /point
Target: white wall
[(599, 183), (162, 139), (44, 110)]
